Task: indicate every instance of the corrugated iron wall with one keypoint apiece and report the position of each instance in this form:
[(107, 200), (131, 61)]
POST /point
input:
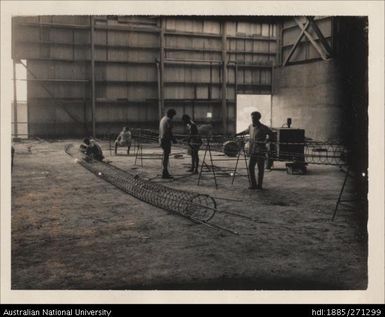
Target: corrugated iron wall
[(143, 66)]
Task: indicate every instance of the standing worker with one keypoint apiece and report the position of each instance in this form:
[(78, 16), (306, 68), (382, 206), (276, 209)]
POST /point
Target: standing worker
[(194, 141), (165, 139), (258, 135)]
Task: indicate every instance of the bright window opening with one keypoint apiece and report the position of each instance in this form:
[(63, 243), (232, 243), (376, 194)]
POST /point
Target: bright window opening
[(246, 104), (20, 111)]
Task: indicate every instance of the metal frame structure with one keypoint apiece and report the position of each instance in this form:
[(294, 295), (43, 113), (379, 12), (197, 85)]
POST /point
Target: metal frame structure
[(322, 46)]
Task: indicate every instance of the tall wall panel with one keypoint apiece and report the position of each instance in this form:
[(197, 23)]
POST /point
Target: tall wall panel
[(132, 63), (327, 98)]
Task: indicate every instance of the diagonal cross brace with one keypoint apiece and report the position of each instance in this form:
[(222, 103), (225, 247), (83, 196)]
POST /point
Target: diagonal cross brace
[(310, 38), (320, 36), (52, 96), (304, 27), (295, 45)]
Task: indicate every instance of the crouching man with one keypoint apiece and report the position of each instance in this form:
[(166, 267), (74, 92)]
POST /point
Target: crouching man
[(91, 149)]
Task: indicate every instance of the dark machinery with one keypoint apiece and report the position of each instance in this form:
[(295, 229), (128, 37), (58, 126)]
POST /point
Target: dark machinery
[(289, 145)]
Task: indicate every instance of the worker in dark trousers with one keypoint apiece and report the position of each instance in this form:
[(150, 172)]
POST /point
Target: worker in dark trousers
[(92, 150), (259, 134), (165, 139), (194, 141)]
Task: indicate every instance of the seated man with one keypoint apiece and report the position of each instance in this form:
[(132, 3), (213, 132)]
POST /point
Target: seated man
[(123, 139), (91, 149)]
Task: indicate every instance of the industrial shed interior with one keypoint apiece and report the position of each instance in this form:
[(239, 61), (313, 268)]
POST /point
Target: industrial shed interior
[(85, 224)]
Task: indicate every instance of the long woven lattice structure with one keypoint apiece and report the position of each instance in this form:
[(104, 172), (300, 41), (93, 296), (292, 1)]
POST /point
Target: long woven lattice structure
[(314, 152), (197, 207), (326, 153)]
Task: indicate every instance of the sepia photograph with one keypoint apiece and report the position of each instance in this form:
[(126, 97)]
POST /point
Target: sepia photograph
[(189, 152)]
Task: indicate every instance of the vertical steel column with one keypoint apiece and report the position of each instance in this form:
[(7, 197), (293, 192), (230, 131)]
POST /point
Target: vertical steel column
[(279, 45), (160, 112), (236, 94), (92, 26), (162, 57), (271, 94), (224, 78), (14, 80), (210, 89), (14, 101), (193, 102)]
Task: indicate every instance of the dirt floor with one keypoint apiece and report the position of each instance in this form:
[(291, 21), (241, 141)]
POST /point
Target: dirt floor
[(73, 230)]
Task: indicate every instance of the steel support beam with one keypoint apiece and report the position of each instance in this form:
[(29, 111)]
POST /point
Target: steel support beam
[(93, 101), (224, 77), (161, 60), (14, 81), (294, 47), (310, 38), (320, 36), (236, 79), (279, 46), (272, 85), (160, 112), (14, 101), (235, 95)]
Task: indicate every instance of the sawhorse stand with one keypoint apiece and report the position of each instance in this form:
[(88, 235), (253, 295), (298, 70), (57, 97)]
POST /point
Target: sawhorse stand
[(138, 152), (236, 164), (211, 167)]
